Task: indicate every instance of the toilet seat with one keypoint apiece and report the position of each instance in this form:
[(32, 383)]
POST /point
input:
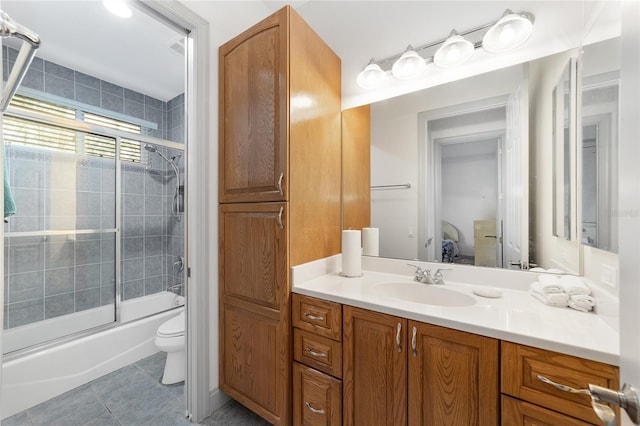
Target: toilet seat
[(173, 327)]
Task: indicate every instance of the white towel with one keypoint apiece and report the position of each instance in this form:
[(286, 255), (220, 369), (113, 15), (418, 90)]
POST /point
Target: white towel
[(551, 299), (573, 285), (581, 305), (549, 283)]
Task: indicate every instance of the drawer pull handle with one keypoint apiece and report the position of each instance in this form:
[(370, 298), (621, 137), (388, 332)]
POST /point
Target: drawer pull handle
[(280, 184), (413, 341), (313, 317), (313, 410), (626, 398), (280, 218), (398, 343), (314, 353), (561, 387)]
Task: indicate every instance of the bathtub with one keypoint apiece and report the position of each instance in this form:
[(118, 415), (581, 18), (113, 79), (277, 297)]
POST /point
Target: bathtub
[(34, 378)]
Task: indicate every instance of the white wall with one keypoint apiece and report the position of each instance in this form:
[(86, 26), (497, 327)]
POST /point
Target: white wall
[(469, 187), (394, 152)]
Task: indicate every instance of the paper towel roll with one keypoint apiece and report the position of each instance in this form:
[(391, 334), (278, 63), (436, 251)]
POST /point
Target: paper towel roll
[(351, 254), (370, 237)]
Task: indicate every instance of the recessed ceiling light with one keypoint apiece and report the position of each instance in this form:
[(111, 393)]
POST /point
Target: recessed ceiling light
[(118, 7)]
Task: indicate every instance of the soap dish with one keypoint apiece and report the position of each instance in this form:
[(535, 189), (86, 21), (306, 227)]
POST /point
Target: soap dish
[(490, 292)]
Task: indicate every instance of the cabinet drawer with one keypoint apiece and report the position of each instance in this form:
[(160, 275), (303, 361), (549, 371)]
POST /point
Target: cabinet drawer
[(317, 397), (318, 316), (521, 365), (520, 413), (317, 352)]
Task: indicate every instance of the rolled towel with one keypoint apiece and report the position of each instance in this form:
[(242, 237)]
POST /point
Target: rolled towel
[(549, 283), (580, 306), (583, 299), (552, 299), (573, 285)]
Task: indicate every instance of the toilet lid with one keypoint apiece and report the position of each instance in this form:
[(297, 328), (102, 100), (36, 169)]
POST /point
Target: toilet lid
[(172, 327)]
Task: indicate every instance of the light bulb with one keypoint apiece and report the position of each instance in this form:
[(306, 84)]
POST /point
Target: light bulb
[(409, 65), (454, 51), (371, 77), (509, 32)]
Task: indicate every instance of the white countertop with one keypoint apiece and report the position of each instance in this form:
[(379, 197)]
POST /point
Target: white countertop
[(515, 317)]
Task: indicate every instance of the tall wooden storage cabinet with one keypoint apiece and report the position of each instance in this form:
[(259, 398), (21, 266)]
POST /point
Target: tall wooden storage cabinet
[(279, 194)]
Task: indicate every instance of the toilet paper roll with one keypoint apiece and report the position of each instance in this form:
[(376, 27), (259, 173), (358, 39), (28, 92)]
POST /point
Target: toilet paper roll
[(370, 238), (351, 254)]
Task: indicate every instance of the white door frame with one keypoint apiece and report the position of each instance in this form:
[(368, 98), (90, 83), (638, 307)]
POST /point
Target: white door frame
[(199, 267), (629, 188), (428, 226)]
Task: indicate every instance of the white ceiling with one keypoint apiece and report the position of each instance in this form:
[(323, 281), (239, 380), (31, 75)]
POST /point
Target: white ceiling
[(135, 53)]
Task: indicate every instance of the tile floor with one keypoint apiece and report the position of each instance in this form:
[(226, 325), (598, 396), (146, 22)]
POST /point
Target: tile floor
[(131, 396)]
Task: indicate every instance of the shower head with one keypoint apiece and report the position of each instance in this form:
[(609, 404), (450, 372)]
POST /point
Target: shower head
[(150, 148)]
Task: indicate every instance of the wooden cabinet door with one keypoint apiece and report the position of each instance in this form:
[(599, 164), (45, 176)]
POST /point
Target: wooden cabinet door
[(255, 314), (374, 368), (255, 361), (317, 398), (253, 113), (453, 377), (253, 254), (521, 413)]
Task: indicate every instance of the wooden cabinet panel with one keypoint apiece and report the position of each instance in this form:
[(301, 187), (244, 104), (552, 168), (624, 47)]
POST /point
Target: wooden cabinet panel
[(253, 262), (317, 316), (317, 398), (453, 377), (254, 355), (253, 114), (356, 171), (314, 145), (521, 366), (374, 368), (318, 352), (521, 413)]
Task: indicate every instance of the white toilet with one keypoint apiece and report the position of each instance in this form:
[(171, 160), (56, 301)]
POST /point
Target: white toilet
[(170, 339)]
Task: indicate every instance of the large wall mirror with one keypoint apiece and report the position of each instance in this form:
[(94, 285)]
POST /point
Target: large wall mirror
[(598, 147), (564, 121), (476, 155)]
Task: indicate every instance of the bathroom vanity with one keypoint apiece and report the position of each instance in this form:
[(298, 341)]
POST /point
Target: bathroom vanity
[(369, 349)]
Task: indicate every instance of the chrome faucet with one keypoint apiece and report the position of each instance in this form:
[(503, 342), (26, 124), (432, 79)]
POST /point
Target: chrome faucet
[(438, 278), (422, 275), (176, 288)]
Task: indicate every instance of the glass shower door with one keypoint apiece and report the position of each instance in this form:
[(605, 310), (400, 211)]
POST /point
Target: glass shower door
[(60, 246)]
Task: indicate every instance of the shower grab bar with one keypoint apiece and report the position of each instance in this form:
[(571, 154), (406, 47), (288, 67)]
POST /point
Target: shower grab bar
[(31, 42), (47, 233), (399, 186)]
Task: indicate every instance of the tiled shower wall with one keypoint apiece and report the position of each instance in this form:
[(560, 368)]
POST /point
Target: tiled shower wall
[(53, 276)]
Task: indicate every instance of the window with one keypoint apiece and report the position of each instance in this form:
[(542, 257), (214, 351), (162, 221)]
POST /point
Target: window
[(19, 131)]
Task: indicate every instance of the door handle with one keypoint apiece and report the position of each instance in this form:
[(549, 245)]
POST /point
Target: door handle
[(626, 398)]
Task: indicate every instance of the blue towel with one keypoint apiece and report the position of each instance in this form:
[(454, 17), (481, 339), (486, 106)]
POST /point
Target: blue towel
[(9, 204)]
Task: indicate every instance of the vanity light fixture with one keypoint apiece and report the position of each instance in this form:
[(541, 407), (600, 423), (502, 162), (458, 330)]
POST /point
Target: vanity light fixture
[(454, 51), (509, 32), (372, 76), (409, 65)]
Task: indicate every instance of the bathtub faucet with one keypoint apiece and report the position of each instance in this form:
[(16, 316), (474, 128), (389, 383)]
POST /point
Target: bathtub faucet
[(176, 288)]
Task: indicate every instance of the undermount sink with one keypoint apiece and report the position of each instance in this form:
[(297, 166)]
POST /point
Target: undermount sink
[(429, 294)]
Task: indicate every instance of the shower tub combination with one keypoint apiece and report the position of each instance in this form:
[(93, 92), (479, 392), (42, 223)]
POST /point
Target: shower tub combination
[(96, 245), (37, 377)]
